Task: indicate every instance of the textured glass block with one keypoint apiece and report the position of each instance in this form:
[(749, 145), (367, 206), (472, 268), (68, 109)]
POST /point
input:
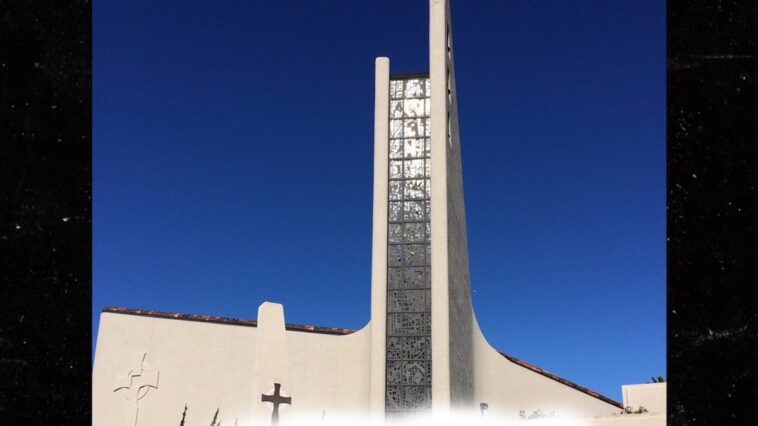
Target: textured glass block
[(428, 168), (427, 186), (413, 210), (413, 148), (428, 254), (428, 234), (417, 396), (427, 128), (427, 107), (395, 400), (396, 109), (395, 255), (396, 211), (428, 208), (413, 127), (409, 348), (406, 301), (416, 372), (396, 148), (415, 232), (396, 169), (408, 324), (414, 189), (416, 277), (413, 169), (414, 88), (394, 277), (395, 234), (396, 89), (414, 255), (427, 147), (396, 190), (404, 403), (396, 128), (413, 108)]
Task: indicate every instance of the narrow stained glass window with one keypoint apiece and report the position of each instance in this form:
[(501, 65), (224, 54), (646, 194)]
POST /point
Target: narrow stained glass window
[(413, 169), (414, 108), (409, 356), (407, 348), (413, 211), (413, 148), (395, 254), (394, 278), (415, 232), (413, 127), (414, 254), (396, 89), (417, 277), (396, 109), (407, 300), (396, 169), (414, 88), (396, 210), (396, 148), (396, 128), (395, 233), (414, 189)]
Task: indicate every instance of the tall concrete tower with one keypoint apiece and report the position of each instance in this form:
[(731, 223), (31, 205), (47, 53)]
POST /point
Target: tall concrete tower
[(421, 315)]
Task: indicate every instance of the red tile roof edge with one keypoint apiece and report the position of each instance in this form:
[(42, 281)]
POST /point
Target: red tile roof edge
[(224, 320), (337, 331)]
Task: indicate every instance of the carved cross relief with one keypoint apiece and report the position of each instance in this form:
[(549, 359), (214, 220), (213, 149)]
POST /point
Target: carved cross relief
[(136, 385)]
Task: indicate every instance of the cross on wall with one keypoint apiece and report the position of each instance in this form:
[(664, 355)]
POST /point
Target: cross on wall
[(137, 383), (276, 399)]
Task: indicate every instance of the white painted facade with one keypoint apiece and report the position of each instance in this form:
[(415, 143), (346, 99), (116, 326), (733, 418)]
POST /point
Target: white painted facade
[(651, 396), (149, 365), (209, 365)]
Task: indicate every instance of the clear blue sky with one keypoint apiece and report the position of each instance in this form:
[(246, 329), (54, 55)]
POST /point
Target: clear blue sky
[(232, 164)]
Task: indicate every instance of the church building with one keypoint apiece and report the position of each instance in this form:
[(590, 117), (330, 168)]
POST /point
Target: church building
[(421, 353)]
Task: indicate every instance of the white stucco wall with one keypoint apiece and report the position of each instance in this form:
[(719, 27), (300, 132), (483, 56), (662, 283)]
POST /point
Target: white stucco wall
[(329, 374), (205, 365), (209, 365), (651, 396), (509, 388)]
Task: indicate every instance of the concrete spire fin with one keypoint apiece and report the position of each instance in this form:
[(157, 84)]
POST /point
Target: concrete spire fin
[(452, 315), (379, 240)]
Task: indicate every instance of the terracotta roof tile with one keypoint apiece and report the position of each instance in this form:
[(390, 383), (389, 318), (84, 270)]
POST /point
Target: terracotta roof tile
[(224, 320), (336, 331)]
